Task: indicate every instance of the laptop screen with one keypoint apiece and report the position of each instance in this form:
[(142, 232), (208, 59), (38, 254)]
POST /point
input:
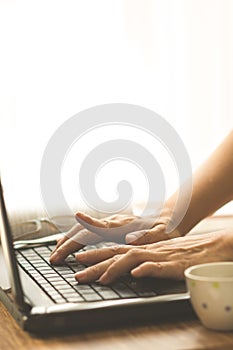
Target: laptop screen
[(9, 254)]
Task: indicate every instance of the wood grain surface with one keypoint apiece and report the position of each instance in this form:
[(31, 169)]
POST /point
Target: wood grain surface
[(169, 335)]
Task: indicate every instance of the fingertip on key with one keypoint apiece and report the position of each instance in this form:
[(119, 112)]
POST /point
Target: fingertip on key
[(55, 258), (79, 276), (52, 258)]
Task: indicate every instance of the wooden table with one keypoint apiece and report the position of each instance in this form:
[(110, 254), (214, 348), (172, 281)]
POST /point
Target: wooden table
[(183, 334)]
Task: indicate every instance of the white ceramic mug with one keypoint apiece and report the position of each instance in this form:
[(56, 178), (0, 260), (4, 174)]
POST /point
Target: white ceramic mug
[(211, 291)]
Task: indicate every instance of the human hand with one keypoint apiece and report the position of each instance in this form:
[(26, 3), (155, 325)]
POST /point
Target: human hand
[(117, 228), (167, 259), (81, 234)]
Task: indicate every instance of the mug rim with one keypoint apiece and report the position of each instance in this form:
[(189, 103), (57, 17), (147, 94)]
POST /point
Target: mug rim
[(189, 272)]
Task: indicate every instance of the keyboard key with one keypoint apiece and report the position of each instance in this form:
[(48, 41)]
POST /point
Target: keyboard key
[(63, 270), (110, 294), (87, 291), (60, 284), (92, 297), (57, 280), (60, 300), (67, 292), (42, 250), (74, 298), (97, 286), (75, 267), (82, 287), (64, 288)]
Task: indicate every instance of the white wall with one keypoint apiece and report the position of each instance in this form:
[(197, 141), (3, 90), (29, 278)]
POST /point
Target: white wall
[(60, 57)]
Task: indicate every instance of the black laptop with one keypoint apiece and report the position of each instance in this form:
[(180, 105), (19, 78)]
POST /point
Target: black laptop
[(46, 298)]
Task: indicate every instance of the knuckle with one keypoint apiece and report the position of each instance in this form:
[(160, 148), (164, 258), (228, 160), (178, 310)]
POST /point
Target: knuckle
[(112, 270), (116, 257), (134, 252), (61, 240), (147, 236), (93, 270), (94, 253), (105, 222), (159, 266), (116, 249)]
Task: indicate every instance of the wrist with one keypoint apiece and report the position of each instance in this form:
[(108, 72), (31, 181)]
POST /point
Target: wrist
[(177, 222)]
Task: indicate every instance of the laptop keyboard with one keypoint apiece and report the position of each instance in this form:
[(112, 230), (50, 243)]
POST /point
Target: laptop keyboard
[(59, 284)]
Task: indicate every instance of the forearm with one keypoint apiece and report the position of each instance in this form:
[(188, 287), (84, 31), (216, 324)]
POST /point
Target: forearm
[(212, 186)]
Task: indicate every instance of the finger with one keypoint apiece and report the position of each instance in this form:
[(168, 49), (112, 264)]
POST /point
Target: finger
[(91, 220), (112, 221), (96, 255), (82, 238), (119, 232), (124, 264), (93, 273), (75, 229), (100, 227), (163, 269)]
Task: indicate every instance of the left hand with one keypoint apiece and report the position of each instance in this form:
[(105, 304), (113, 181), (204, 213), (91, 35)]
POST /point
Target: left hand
[(165, 259), (90, 230), (118, 228)]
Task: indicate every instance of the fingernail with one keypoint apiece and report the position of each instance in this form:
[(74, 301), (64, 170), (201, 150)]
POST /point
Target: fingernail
[(130, 238), (54, 258), (79, 275), (53, 252)]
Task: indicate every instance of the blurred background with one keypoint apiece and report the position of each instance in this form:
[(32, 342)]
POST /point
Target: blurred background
[(61, 57)]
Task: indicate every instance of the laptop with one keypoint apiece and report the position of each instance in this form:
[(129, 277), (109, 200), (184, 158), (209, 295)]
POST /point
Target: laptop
[(44, 298)]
